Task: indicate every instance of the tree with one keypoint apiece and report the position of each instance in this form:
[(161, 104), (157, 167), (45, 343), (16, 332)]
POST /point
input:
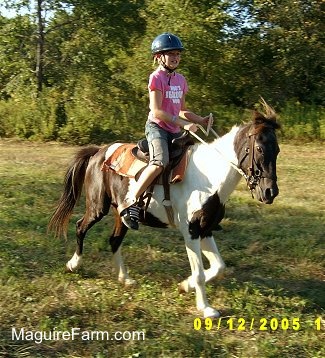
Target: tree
[(39, 17), (16, 54), (85, 63), (280, 49)]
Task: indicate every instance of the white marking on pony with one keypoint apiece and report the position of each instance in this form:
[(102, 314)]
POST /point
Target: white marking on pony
[(213, 161), (208, 172), (210, 251), (195, 201), (197, 279), (157, 204), (211, 172), (74, 263), (217, 265), (120, 268), (111, 149)]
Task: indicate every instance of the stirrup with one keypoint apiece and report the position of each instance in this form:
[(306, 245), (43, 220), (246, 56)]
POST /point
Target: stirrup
[(130, 217)]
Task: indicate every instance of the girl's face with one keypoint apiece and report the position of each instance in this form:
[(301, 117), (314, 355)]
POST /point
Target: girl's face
[(172, 58)]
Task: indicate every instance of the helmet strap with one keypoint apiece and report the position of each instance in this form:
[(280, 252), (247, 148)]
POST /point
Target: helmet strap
[(163, 63), (168, 69)]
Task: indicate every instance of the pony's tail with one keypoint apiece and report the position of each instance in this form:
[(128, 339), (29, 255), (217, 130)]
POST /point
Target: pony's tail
[(73, 183)]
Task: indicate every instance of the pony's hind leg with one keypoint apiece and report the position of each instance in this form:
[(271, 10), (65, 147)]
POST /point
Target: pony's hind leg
[(97, 206), (82, 226), (115, 241), (75, 262)]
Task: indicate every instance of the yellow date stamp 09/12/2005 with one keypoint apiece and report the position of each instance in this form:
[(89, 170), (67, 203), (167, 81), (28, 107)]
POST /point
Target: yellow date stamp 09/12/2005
[(257, 324)]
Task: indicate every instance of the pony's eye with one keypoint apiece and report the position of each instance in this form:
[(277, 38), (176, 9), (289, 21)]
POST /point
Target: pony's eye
[(259, 149)]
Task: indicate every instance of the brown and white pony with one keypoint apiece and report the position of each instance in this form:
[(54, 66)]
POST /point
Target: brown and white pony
[(198, 201)]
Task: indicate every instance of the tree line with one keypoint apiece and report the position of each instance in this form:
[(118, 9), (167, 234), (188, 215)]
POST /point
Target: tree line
[(77, 70)]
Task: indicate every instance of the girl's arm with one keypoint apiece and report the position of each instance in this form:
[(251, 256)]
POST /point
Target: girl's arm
[(155, 98), (191, 116)]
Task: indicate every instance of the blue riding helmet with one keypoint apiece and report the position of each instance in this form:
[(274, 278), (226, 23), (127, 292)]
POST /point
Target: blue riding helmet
[(166, 42)]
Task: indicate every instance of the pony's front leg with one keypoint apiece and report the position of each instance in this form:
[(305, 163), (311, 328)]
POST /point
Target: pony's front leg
[(197, 279), (120, 268), (211, 252)]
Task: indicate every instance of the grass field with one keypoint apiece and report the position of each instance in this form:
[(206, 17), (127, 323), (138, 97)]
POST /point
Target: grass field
[(272, 297)]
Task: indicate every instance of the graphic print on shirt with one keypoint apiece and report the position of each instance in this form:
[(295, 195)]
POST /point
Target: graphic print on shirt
[(175, 94)]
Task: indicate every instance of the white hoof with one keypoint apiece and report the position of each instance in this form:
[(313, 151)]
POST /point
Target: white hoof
[(183, 287), (210, 312), (73, 264), (129, 282), (68, 267)]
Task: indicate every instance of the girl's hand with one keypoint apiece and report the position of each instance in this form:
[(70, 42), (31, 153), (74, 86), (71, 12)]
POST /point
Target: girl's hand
[(192, 127), (205, 120)]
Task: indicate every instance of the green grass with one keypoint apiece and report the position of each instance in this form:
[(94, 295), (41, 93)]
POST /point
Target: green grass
[(274, 255)]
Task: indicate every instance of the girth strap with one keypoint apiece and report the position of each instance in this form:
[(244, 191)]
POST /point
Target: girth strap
[(166, 202), (146, 195)]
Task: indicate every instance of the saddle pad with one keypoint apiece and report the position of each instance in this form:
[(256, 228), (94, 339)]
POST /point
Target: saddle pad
[(122, 161), (119, 158)]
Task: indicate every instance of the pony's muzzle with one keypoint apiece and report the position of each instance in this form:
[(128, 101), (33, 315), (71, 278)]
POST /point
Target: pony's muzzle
[(267, 191), (270, 194)]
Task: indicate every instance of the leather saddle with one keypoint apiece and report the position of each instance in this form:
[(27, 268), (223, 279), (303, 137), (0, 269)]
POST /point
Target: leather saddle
[(177, 149), (177, 164)]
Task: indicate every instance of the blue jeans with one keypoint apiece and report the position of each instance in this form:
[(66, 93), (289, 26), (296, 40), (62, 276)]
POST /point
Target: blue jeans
[(159, 141)]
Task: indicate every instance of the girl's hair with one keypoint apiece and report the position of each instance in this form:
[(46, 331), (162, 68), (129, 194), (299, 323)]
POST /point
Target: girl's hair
[(156, 59)]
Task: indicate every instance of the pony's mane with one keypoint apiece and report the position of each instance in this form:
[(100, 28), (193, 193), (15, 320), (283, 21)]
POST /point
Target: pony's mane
[(266, 116)]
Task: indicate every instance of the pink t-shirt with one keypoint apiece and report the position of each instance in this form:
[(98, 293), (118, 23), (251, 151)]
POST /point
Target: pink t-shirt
[(173, 88)]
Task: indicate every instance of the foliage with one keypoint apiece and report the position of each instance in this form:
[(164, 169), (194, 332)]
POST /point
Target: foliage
[(89, 61), (16, 56), (303, 121)]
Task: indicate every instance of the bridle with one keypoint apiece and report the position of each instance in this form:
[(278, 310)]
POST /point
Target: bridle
[(253, 174)]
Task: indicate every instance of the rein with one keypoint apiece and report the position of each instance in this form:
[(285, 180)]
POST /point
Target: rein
[(239, 170), (253, 176)]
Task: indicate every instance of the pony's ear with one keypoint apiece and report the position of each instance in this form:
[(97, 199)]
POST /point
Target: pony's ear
[(268, 116), (258, 118)]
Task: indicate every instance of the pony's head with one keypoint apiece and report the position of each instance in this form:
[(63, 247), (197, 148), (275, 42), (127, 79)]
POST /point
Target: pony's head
[(257, 149)]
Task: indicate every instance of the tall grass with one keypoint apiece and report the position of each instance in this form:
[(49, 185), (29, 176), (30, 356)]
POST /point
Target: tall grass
[(303, 121)]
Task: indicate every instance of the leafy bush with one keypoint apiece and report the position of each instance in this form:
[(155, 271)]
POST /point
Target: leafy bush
[(303, 121), (91, 117)]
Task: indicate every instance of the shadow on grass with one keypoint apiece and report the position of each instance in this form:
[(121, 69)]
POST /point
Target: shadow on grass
[(252, 237), (309, 289)]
